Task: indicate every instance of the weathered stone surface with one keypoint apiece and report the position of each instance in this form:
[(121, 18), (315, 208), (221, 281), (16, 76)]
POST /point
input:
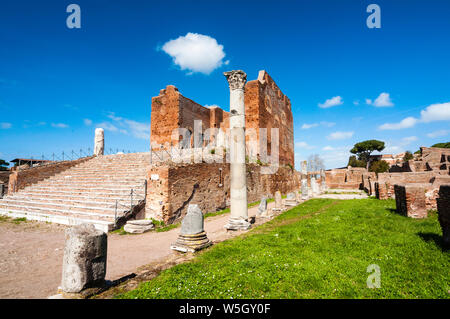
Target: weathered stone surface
[(193, 222), (99, 142), (138, 226), (192, 235), (411, 200), (314, 186), (304, 189), (84, 261), (290, 196), (278, 200), (443, 206), (262, 208)]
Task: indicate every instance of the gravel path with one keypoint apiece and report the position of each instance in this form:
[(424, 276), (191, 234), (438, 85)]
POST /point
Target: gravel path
[(31, 254)]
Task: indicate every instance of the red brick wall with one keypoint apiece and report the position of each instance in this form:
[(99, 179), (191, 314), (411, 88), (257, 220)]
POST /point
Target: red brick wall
[(207, 185)]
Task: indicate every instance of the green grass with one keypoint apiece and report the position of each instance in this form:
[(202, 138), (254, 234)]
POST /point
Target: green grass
[(320, 249)]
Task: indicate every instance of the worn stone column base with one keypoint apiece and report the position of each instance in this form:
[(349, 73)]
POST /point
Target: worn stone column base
[(84, 294), (191, 243), (265, 214), (290, 202), (237, 224)]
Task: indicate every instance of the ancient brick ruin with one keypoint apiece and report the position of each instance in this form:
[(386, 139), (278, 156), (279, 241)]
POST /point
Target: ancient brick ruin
[(173, 186), (265, 107)]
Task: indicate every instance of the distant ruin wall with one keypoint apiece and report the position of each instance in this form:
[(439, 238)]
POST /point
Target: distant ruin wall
[(345, 178), (26, 177), (171, 188)]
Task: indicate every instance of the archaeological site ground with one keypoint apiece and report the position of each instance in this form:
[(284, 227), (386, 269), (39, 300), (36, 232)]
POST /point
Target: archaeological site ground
[(225, 153)]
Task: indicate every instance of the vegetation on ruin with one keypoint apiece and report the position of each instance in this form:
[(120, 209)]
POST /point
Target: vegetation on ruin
[(408, 156), (364, 149), (3, 165), (319, 249), (442, 145), (379, 166), (354, 162)]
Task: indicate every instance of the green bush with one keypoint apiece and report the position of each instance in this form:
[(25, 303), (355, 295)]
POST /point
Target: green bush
[(379, 167), (354, 162)]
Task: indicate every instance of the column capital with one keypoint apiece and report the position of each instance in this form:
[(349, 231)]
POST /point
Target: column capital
[(236, 79)]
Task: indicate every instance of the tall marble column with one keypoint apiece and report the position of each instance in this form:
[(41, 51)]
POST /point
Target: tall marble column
[(99, 142), (238, 181), (323, 180)]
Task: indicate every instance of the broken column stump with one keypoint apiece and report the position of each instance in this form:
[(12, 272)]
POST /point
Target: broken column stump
[(443, 206), (84, 261), (192, 235), (290, 200)]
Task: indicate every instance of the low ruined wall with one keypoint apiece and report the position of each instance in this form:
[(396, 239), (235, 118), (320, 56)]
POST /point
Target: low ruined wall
[(4, 179), (345, 178), (26, 177), (384, 186), (171, 188), (443, 206), (413, 200)]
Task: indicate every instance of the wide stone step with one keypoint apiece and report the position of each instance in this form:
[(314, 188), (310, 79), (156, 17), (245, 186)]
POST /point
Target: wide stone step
[(61, 208), (21, 200), (70, 196), (104, 189), (112, 179), (88, 184), (103, 225)]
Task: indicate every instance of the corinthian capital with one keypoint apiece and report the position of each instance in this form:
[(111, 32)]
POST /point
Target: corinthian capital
[(236, 79)]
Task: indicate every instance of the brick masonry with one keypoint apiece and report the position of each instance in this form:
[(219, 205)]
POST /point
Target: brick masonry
[(172, 187), (443, 205), (265, 107), (411, 200)]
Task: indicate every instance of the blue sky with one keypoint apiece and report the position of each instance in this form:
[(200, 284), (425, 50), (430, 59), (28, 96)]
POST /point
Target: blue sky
[(57, 84)]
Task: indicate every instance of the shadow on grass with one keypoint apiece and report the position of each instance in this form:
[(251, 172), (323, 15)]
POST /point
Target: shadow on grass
[(436, 238)]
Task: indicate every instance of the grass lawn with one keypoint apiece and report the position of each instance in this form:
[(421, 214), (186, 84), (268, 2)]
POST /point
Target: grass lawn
[(320, 249)]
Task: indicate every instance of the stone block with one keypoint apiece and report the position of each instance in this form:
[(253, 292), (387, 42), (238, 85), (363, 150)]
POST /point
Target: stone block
[(84, 261), (443, 206)]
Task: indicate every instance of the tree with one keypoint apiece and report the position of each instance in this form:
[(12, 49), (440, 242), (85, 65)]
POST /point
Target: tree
[(365, 148), (408, 156), (379, 166), (315, 163), (442, 145), (354, 162), (3, 165)]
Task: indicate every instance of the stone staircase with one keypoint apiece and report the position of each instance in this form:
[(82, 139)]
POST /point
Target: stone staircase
[(88, 192)]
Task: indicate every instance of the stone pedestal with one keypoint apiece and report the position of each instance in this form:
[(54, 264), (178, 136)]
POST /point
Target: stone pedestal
[(304, 189), (443, 206), (99, 142), (138, 226), (238, 182), (192, 235), (278, 202), (290, 200), (84, 261), (410, 200), (314, 187)]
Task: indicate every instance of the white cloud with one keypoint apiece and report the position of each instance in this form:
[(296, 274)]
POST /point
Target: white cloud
[(126, 126), (409, 139), (60, 125), (304, 145), (5, 125), (107, 126), (405, 123), (328, 148), (439, 133), (436, 112), (383, 100), (337, 100), (87, 122), (196, 53), (356, 102), (308, 126), (324, 123), (340, 135)]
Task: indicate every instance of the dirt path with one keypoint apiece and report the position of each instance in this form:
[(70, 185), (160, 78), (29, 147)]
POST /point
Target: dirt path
[(31, 254)]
